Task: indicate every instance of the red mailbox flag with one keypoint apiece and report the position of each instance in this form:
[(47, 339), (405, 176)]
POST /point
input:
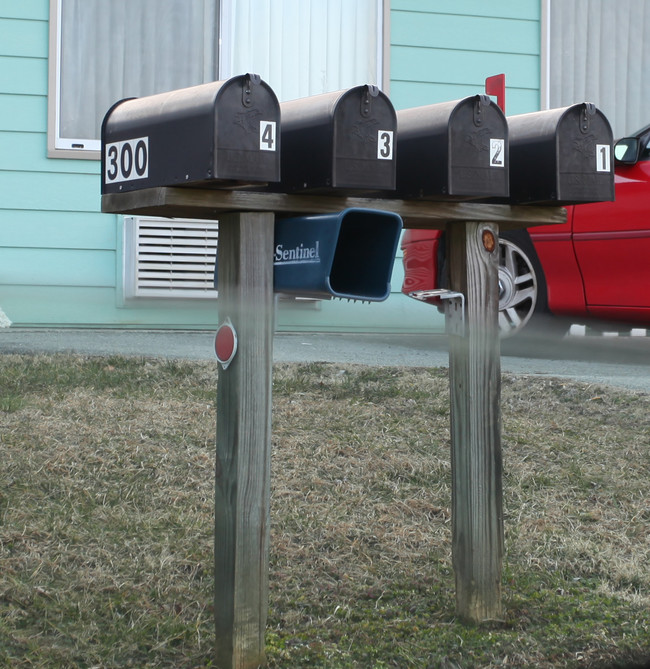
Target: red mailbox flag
[(496, 85)]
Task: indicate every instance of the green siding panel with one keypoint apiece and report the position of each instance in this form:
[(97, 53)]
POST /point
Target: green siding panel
[(56, 267), (457, 33), (444, 51), (81, 306), (405, 94), (445, 67), (27, 152), (53, 229), (23, 76), (23, 113), (513, 9), (50, 192), (23, 38), (25, 9)]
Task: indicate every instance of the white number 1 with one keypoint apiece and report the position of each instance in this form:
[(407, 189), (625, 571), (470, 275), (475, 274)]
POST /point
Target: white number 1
[(602, 158)]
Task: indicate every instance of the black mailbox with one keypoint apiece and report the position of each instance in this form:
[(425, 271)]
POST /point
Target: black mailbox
[(223, 134), (342, 141), (348, 255), (456, 150), (561, 156)]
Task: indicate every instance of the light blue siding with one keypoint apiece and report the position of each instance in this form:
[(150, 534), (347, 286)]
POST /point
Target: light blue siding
[(61, 259), (58, 267), (23, 76), (50, 191), (501, 9), (27, 39), (25, 9), (57, 230), (26, 152), (23, 113)]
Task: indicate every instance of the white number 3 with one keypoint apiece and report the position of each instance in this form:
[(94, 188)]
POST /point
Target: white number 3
[(385, 144)]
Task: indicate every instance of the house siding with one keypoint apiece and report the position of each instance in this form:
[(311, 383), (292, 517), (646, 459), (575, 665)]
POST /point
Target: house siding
[(61, 259)]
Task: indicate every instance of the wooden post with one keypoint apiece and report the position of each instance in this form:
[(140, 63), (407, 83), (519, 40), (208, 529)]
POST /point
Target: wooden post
[(475, 384), (242, 499)]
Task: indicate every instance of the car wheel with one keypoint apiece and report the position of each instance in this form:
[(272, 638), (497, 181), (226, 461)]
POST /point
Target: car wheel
[(523, 304)]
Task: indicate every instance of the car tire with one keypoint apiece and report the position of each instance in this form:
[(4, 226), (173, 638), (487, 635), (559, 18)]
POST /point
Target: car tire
[(523, 300)]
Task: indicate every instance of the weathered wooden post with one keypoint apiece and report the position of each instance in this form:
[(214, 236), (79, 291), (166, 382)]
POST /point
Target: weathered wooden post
[(475, 381), (243, 445)]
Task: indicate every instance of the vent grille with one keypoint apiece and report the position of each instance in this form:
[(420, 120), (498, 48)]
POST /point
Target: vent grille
[(171, 258)]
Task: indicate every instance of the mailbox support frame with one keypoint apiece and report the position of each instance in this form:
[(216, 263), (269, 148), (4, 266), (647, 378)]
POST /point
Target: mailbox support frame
[(244, 394)]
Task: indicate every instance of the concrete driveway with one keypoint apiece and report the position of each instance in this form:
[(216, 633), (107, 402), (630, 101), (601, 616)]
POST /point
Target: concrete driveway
[(621, 361)]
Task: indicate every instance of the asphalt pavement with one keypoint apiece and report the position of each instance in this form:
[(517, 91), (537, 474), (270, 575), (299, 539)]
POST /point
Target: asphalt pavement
[(621, 361)]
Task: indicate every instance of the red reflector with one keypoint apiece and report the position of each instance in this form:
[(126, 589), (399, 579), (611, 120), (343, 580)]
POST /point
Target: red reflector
[(225, 343)]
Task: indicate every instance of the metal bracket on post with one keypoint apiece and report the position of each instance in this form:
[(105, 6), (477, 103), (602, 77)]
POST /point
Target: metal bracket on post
[(454, 307)]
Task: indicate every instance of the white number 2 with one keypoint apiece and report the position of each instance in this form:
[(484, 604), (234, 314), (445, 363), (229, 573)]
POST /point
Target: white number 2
[(497, 152)]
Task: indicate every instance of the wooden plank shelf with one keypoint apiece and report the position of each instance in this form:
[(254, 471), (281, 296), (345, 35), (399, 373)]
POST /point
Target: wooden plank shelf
[(423, 214)]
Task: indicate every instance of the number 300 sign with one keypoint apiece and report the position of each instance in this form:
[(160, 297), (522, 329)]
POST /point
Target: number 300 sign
[(127, 160)]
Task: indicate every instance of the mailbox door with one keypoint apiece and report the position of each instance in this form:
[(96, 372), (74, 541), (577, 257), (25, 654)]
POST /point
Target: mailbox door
[(561, 156), (584, 149), (364, 129), (478, 149), (455, 150), (341, 141), (247, 146)]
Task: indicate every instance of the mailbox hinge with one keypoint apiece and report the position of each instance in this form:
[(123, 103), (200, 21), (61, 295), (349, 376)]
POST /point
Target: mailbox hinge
[(454, 307)]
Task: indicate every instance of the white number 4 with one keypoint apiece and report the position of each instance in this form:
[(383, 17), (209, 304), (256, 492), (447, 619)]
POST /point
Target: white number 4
[(267, 135)]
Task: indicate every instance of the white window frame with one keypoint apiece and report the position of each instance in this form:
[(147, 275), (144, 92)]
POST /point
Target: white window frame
[(56, 146)]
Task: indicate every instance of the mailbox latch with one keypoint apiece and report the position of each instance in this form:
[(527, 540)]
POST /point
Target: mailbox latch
[(454, 307), (589, 109), (369, 92), (481, 101), (247, 89)]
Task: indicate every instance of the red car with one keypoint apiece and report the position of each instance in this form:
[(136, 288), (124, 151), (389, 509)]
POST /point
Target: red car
[(595, 267)]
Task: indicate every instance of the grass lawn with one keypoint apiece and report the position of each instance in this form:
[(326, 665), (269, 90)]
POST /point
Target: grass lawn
[(107, 512)]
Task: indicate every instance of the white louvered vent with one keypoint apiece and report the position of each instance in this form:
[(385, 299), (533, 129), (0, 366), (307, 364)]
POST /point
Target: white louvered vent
[(172, 258)]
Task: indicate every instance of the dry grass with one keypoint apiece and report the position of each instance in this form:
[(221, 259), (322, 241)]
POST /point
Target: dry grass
[(106, 519)]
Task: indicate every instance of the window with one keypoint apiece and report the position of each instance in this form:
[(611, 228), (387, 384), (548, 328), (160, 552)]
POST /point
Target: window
[(596, 51), (304, 47), (106, 50), (102, 51)]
